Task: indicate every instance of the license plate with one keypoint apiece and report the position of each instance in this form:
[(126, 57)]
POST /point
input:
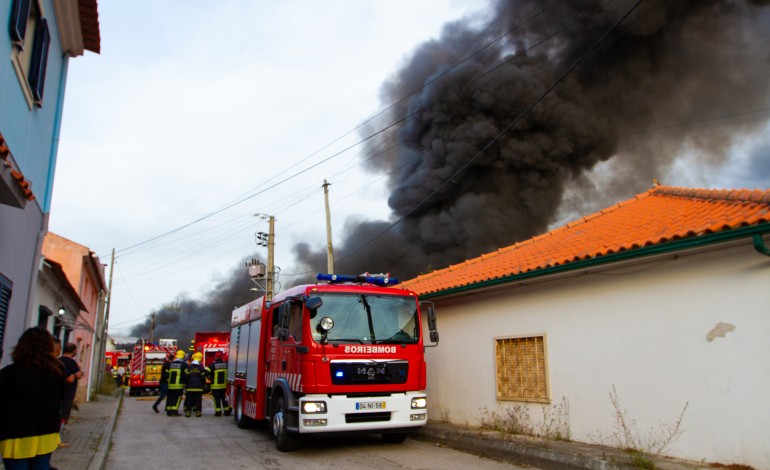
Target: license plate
[(370, 405)]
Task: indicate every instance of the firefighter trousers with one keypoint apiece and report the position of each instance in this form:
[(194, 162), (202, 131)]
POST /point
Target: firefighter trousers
[(193, 401), (220, 401), (173, 400)]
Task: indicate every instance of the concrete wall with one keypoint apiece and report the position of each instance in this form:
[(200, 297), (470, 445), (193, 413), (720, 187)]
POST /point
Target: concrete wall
[(641, 329)]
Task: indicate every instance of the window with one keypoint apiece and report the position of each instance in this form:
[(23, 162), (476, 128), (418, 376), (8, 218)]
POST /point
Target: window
[(295, 321), (6, 287), (43, 313), (31, 38), (522, 372)]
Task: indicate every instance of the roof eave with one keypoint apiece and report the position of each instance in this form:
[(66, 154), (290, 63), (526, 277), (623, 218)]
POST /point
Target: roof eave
[(78, 22), (657, 249)]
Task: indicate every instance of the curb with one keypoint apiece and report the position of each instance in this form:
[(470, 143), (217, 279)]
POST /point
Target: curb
[(541, 453), (99, 459)]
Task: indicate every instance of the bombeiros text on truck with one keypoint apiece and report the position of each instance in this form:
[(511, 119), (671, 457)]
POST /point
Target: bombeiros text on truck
[(345, 355)]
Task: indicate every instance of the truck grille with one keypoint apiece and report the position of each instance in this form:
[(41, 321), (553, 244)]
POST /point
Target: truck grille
[(369, 372), (367, 417)]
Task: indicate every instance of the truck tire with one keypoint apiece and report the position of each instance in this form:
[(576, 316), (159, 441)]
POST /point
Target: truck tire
[(241, 420), (394, 438), (285, 441)]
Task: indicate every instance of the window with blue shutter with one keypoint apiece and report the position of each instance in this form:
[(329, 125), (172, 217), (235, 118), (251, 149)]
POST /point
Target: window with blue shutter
[(29, 32), (37, 66), (6, 287), (18, 25)]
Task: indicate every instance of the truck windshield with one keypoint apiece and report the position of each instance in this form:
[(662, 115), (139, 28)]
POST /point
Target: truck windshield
[(368, 319)]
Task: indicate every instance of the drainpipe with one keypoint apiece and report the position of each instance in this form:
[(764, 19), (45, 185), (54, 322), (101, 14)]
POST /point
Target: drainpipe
[(759, 244)]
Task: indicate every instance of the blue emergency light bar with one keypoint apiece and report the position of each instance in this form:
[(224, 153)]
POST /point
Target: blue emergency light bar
[(376, 280)]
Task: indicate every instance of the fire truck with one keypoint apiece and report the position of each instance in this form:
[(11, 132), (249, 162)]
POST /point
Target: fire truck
[(116, 358), (211, 343), (337, 357), (146, 363)]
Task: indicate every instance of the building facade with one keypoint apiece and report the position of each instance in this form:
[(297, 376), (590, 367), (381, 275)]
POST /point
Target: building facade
[(85, 273), (40, 39), (643, 326)]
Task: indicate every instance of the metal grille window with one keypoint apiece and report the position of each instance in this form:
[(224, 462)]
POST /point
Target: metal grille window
[(522, 369)]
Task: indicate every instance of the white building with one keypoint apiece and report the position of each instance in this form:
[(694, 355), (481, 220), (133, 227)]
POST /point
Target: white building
[(626, 316)]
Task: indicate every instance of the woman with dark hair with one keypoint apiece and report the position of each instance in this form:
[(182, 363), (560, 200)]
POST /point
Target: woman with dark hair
[(31, 391)]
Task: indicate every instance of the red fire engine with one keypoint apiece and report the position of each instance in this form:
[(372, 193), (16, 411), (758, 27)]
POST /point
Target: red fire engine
[(117, 358), (338, 357), (211, 343), (146, 363)]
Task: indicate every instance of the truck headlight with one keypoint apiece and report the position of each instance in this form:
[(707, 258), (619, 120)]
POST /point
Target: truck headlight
[(311, 407), (419, 403)]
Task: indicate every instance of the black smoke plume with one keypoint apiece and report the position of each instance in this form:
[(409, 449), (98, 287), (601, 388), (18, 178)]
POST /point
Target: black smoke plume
[(182, 318), (674, 78), (643, 98)]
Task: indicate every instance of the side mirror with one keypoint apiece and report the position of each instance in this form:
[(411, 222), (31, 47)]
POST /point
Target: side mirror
[(313, 304), (283, 321), (283, 315), (430, 312)]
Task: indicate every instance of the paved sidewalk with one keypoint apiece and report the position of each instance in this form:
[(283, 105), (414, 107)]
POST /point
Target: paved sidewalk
[(90, 429), (88, 434)]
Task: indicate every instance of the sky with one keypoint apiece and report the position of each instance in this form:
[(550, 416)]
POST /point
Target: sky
[(193, 105), (198, 119)]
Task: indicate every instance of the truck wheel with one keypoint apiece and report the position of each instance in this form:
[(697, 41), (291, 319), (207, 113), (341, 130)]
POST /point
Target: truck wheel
[(285, 441), (394, 438), (241, 420)]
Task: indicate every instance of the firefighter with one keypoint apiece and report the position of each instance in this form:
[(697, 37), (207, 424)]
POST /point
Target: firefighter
[(163, 385), (195, 379), (217, 371), (177, 371)]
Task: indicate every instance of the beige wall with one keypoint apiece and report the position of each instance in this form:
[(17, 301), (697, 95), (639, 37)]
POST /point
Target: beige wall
[(642, 329)]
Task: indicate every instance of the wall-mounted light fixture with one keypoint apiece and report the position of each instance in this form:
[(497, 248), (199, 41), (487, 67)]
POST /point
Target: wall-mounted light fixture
[(61, 311)]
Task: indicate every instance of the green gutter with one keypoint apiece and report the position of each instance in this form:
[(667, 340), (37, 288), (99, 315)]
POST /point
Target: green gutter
[(755, 231), (759, 244)]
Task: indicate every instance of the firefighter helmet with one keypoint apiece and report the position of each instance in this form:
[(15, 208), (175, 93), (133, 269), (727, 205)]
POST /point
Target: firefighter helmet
[(197, 356), (180, 354)]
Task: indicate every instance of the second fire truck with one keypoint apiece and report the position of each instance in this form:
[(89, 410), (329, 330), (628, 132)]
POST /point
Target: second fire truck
[(146, 363), (343, 356)]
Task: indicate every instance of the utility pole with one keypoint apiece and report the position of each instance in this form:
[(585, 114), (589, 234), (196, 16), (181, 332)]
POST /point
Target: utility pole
[(105, 323), (329, 248), (270, 258)]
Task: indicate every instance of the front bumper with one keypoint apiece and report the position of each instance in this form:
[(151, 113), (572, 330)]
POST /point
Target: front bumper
[(362, 413)]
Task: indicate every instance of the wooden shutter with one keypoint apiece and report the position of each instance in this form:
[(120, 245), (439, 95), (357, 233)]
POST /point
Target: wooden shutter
[(17, 27), (39, 61)]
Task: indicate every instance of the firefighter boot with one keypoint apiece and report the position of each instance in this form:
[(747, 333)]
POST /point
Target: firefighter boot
[(217, 413), (187, 413), (198, 413), (228, 410)]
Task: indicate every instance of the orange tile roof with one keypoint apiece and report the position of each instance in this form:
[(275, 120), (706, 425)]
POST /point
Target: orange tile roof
[(660, 215)]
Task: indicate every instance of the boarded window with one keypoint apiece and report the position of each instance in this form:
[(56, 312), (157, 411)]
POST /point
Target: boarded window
[(522, 372)]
